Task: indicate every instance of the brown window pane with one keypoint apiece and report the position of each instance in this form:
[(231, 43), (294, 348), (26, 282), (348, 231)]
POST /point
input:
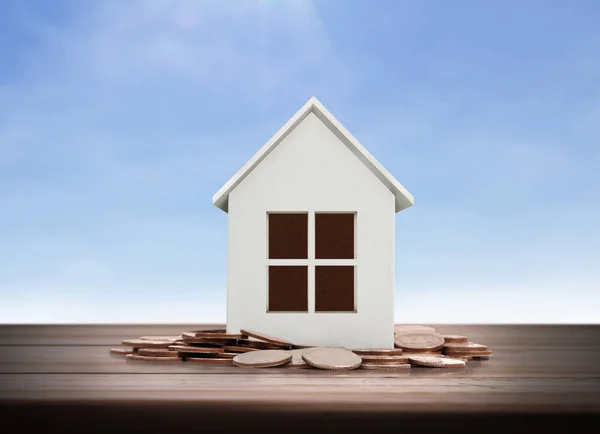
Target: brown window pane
[(288, 288), (288, 236), (334, 288), (334, 236)]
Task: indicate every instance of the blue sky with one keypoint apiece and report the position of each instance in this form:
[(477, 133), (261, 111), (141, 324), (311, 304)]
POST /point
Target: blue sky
[(119, 120)]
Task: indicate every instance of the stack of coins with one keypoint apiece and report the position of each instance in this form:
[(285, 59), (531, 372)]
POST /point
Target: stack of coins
[(417, 346)]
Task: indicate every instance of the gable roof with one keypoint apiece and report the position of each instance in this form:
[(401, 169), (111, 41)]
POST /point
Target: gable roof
[(403, 198)]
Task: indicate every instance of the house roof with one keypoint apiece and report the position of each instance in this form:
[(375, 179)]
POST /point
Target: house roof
[(403, 198)]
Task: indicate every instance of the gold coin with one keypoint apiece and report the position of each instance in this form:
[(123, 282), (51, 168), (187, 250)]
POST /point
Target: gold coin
[(437, 362), (331, 358), (262, 358), (419, 341)]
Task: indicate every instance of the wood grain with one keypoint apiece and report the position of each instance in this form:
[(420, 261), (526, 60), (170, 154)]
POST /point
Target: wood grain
[(548, 369)]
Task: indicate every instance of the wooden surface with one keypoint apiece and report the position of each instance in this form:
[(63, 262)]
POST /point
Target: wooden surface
[(534, 370)]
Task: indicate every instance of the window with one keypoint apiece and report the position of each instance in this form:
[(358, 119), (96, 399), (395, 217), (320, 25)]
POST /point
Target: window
[(325, 268), (288, 288), (287, 279)]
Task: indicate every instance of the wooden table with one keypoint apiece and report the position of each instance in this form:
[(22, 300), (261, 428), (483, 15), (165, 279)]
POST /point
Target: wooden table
[(64, 376)]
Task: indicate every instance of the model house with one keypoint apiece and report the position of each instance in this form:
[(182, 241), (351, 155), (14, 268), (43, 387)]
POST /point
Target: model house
[(311, 237)]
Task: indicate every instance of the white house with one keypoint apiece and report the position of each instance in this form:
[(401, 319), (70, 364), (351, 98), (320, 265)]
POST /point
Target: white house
[(311, 237)]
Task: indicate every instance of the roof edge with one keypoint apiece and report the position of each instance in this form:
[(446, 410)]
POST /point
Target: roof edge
[(403, 199)]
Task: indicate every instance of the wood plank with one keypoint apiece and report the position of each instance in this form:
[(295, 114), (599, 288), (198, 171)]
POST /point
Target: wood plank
[(522, 363), (399, 394), (550, 368)]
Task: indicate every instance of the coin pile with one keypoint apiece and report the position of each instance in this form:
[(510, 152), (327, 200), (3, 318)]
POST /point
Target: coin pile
[(413, 346)]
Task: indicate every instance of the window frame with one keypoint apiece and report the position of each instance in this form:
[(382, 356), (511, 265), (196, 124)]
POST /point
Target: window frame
[(311, 262)]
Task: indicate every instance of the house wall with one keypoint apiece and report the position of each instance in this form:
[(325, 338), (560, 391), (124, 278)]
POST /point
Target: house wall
[(312, 170)]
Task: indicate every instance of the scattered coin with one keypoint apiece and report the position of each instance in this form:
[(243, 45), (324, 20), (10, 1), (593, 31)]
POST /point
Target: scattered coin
[(193, 332), (157, 352), (239, 348), (414, 344), (259, 345), (437, 362), (422, 354), (419, 341), (186, 349), (378, 351), (140, 343), (455, 338), (122, 351), (331, 358), (262, 358), (297, 361), (152, 358), (209, 360), (214, 335), (384, 359), (160, 338), (465, 346), (266, 338), (385, 367)]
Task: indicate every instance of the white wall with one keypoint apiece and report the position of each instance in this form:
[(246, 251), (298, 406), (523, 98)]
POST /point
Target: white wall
[(298, 176)]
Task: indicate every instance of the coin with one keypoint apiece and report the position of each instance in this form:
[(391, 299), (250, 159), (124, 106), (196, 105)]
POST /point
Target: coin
[(485, 353), (455, 338), (422, 354), (214, 335), (419, 341), (193, 332), (266, 338), (331, 358), (438, 362), (122, 351), (465, 346), (378, 351), (140, 343), (239, 348), (201, 342), (209, 360), (260, 345), (297, 360), (262, 358), (385, 367), (186, 349), (157, 352), (151, 358), (160, 338), (384, 359)]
